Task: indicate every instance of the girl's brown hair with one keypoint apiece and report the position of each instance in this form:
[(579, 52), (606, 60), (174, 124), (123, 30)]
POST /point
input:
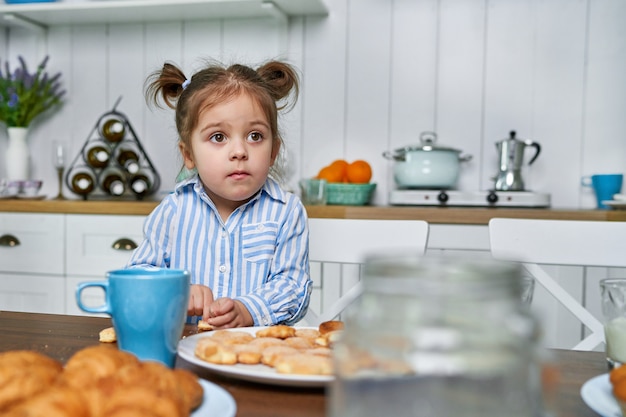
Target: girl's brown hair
[(269, 85)]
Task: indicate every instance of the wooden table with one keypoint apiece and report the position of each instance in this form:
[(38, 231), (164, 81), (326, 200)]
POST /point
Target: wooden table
[(59, 336)]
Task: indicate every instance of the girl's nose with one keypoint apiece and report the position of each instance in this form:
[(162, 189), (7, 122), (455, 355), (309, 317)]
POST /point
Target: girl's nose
[(238, 150)]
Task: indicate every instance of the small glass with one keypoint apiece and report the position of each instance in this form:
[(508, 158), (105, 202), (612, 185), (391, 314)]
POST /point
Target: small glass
[(613, 293), (59, 159), (313, 192)]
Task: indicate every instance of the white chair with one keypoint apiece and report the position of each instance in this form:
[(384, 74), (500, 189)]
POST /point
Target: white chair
[(349, 241), (561, 242)]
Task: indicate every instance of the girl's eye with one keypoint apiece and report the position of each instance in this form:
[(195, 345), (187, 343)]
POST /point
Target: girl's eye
[(217, 138), (255, 137)]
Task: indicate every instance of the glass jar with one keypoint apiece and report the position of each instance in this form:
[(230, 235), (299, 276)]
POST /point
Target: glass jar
[(437, 336)]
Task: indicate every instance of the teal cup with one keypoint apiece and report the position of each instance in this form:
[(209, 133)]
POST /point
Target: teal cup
[(605, 186), (148, 308)]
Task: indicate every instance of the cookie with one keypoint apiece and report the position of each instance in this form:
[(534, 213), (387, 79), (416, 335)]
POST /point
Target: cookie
[(108, 335), (304, 364), (279, 331), (203, 326), (213, 351)]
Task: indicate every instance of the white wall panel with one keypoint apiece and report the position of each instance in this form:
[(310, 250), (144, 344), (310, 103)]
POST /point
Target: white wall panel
[(323, 90), (604, 146), (202, 41), (367, 88), (559, 62), (253, 41), (413, 77), (460, 72), (59, 125), (125, 75), (290, 123), (163, 43), (508, 76)]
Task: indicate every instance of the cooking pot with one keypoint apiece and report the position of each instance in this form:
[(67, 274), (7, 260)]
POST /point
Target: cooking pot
[(426, 166)]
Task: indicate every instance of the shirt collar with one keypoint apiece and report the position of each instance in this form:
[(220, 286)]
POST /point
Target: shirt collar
[(271, 188)]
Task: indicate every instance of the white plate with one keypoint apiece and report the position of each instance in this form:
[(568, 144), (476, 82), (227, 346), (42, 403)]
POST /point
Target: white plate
[(215, 402), (615, 203), (597, 394), (255, 373), (31, 197)]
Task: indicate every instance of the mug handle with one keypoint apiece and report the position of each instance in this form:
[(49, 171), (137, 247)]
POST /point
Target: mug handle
[(105, 308)]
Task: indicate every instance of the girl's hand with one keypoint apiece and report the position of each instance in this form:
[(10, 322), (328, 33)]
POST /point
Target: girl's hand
[(227, 313), (200, 298)]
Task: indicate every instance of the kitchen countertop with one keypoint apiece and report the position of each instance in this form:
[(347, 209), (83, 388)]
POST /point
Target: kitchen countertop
[(433, 215)]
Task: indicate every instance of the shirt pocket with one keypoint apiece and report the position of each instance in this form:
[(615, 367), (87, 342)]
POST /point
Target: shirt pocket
[(259, 241)]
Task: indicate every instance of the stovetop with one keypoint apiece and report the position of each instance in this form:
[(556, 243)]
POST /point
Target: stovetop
[(454, 198)]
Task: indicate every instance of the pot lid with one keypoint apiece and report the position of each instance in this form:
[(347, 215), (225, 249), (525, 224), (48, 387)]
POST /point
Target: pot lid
[(428, 143)]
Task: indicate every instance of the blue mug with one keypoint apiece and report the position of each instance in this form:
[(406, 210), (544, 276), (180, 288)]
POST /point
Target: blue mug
[(148, 308), (605, 186)]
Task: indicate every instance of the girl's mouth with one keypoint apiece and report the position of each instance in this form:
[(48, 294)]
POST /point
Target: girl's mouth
[(239, 175)]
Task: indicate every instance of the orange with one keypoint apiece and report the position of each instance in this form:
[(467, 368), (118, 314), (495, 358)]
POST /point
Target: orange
[(359, 172), (342, 166), (330, 174)]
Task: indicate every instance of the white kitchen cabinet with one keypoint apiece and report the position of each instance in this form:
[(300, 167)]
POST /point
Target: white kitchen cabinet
[(32, 293), (45, 256), (32, 262), (75, 12), (95, 244), (92, 242)]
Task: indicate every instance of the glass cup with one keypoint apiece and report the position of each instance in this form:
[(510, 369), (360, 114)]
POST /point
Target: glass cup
[(613, 293), (313, 191)]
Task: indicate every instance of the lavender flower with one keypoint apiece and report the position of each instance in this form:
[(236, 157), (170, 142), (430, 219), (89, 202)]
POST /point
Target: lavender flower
[(24, 96)]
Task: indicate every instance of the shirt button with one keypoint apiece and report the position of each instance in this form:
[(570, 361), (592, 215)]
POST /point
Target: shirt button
[(222, 268), (259, 227), (223, 233)]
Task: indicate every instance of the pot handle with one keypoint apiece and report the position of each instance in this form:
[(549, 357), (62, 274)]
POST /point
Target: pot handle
[(536, 146), (397, 155), (465, 158)]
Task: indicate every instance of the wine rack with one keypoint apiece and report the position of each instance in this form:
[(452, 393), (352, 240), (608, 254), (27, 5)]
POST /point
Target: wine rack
[(103, 170)]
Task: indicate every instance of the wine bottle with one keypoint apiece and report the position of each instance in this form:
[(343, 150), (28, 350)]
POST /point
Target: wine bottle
[(113, 129), (113, 182), (98, 155), (128, 159), (141, 184), (83, 182)]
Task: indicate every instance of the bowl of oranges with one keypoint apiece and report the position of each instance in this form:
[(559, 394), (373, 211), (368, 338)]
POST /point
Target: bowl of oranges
[(348, 183)]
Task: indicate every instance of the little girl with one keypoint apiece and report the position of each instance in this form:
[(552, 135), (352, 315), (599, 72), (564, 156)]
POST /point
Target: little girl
[(243, 239)]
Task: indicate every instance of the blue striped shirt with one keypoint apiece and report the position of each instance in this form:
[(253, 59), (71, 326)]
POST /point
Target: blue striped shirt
[(259, 256)]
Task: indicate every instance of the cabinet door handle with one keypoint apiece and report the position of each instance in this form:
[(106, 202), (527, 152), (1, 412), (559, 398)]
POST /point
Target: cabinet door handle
[(9, 240), (124, 244)]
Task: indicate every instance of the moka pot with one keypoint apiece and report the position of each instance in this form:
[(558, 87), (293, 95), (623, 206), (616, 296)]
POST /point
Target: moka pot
[(511, 159)]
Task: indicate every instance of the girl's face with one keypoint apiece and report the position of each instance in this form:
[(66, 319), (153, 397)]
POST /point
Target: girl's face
[(232, 149)]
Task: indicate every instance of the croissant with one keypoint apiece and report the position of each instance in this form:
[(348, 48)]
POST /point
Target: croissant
[(99, 381), (24, 374)]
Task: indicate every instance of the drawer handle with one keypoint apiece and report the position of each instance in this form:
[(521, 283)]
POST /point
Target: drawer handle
[(124, 244), (9, 240)]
